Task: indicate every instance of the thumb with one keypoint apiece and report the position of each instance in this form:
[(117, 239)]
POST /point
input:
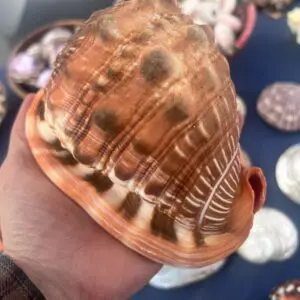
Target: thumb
[(18, 139), (18, 130)]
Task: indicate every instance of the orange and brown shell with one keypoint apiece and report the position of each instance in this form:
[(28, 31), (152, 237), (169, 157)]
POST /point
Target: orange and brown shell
[(139, 126)]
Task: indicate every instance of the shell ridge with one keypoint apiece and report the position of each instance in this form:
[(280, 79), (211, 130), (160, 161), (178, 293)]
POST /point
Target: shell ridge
[(216, 186), (186, 192), (181, 187), (171, 138), (196, 121)]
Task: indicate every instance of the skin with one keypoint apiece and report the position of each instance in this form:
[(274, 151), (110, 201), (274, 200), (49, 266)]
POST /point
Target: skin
[(60, 248)]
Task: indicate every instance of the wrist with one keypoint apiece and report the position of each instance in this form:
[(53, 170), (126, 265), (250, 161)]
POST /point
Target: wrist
[(47, 279)]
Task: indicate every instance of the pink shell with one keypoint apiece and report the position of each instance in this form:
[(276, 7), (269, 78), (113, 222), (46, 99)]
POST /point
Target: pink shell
[(279, 106)]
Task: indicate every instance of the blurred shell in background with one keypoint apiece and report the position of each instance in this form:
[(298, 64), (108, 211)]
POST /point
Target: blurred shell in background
[(32, 62), (279, 106), (170, 277), (288, 173), (289, 290), (222, 16), (150, 110), (274, 8), (293, 21), (3, 103), (273, 237)]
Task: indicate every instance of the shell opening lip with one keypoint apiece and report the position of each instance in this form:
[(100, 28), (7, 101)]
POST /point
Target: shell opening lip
[(257, 183)]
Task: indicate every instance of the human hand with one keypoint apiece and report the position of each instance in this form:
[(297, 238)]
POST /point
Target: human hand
[(62, 250)]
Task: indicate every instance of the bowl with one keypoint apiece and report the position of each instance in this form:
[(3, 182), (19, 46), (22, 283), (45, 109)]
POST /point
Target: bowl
[(247, 12), (22, 90)]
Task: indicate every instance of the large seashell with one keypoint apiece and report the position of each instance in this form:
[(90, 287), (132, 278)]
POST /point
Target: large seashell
[(273, 237), (289, 290), (170, 277), (279, 106), (139, 126), (288, 173), (3, 103)]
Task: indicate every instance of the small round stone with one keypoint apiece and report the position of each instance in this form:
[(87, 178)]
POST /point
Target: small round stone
[(107, 121), (279, 106)]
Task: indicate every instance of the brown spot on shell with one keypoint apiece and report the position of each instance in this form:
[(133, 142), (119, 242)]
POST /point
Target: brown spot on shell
[(199, 238), (156, 66), (162, 225), (100, 182), (123, 173), (107, 121), (107, 28), (143, 37), (63, 155), (154, 189), (141, 147), (130, 205), (195, 33), (114, 71), (41, 110), (129, 51), (176, 112), (81, 157), (101, 83)]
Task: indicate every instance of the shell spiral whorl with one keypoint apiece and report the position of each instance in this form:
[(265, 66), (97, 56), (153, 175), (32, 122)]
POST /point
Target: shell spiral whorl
[(142, 115)]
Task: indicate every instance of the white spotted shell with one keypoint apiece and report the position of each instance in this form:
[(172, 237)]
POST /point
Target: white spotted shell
[(279, 106), (273, 237)]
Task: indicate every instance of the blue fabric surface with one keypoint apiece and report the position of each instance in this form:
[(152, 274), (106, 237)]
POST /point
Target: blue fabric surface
[(271, 55)]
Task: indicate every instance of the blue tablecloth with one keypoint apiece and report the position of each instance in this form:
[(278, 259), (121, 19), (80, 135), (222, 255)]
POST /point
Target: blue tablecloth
[(271, 55)]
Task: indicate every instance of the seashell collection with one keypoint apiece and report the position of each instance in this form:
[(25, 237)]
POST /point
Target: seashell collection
[(273, 237), (154, 147), (3, 103), (33, 66), (289, 290), (279, 106), (170, 277)]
